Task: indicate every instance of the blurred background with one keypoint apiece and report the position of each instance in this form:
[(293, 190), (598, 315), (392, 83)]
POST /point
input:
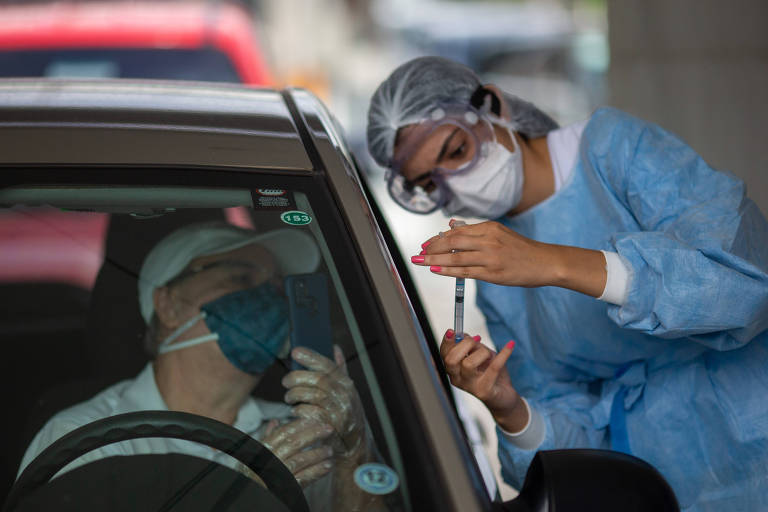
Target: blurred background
[(699, 68)]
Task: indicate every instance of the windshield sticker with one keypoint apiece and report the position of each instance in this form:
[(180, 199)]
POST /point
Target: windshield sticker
[(296, 218), (376, 478), (272, 199)]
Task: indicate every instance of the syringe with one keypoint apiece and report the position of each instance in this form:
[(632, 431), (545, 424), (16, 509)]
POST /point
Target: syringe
[(458, 307)]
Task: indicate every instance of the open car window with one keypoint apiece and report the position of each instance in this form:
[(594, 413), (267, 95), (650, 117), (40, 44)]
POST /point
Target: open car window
[(84, 342)]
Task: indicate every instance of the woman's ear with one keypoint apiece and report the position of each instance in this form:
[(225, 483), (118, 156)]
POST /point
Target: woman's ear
[(165, 307), (504, 110)]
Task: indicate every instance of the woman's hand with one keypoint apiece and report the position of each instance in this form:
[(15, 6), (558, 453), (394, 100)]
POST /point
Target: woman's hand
[(491, 252), (480, 371)]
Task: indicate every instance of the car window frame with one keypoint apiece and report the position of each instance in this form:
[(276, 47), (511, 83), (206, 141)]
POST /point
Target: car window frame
[(409, 431)]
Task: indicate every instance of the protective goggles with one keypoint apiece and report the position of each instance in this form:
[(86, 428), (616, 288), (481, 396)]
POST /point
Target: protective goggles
[(451, 141)]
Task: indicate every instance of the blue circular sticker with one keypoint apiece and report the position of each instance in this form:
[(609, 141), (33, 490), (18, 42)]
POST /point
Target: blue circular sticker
[(376, 478)]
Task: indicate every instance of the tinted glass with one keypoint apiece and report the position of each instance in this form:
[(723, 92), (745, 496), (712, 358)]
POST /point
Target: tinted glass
[(91, 323)]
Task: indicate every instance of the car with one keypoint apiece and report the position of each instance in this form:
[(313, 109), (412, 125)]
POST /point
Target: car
[(144, 158), (167, 39)]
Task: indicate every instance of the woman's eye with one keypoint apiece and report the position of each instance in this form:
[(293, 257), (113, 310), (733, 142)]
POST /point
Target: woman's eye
[(459, 151)]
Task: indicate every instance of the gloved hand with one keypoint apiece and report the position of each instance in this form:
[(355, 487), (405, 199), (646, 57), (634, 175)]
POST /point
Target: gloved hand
[(325, 393), (480, 371), (293, 444)]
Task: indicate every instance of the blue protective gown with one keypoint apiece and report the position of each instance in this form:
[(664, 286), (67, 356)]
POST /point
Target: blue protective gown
[(678, 375)]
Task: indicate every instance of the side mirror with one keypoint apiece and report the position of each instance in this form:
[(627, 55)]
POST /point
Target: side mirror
[(594, 480)]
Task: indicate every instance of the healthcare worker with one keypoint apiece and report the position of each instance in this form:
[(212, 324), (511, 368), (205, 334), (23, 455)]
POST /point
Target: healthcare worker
[(632, 276)]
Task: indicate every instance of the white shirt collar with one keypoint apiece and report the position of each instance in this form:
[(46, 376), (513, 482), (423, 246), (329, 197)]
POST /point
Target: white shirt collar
[(143, 395), (563, 146)]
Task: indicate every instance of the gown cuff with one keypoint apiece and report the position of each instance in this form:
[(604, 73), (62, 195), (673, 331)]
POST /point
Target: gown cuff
[(532, 434), (617, 280)]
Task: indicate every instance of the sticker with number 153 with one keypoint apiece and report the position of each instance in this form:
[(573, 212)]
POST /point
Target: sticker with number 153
[(295, 218)]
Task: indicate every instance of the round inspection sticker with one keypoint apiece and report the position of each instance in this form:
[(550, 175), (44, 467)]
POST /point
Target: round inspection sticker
[(376, 478), (295, 218)]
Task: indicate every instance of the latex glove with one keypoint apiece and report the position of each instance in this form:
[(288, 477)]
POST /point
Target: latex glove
[(324, 392), (478, 370), (492, 252), (298, 444)]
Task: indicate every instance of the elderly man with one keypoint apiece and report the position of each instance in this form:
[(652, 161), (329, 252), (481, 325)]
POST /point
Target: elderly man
[(217, 319)]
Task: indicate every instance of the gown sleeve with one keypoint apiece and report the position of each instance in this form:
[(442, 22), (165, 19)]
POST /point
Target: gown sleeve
[(568, 410), (699, 263)]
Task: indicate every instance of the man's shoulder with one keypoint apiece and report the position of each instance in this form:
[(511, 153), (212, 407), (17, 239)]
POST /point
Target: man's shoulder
[(103, 404)]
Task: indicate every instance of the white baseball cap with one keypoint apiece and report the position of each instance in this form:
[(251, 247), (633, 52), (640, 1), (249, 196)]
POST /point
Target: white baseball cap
[(295, 252)]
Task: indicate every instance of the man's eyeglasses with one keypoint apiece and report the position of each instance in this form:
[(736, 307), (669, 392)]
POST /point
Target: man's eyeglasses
[(227, 266)]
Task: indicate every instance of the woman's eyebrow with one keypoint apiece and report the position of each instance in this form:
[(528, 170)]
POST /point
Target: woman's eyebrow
[(445, 145)]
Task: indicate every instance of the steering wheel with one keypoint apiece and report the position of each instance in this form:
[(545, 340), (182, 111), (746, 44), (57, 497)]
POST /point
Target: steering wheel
[(169, 424)]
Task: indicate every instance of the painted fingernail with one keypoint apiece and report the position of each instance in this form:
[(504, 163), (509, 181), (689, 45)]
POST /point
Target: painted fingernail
[(449, 333), (425, 244), (433, 268), (476, 338), (510, 345), (417, 259), (422, 253)]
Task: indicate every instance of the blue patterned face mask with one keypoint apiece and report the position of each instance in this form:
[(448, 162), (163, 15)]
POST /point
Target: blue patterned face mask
[(251, 327)]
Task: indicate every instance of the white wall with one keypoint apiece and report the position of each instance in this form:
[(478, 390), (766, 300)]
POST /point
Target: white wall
[(699, 68)]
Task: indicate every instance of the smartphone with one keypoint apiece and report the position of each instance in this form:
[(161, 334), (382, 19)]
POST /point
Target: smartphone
[(310, 313)]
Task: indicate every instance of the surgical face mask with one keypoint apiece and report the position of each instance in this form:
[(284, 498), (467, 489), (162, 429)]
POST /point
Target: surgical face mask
[(492, 188), (251, 327)]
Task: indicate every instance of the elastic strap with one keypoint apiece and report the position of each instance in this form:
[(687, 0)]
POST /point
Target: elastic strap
[(166, 346), (477, 100), (189, 343)]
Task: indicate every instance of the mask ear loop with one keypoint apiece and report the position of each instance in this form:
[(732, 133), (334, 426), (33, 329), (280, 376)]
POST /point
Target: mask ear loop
[(166, 346), (480, 99)]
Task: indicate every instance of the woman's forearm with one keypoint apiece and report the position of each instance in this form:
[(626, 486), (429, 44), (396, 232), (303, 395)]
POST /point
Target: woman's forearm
[(574, 268)]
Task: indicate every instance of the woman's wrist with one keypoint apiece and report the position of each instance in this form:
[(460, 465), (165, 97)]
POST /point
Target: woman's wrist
[(575, 268), (512, 419)]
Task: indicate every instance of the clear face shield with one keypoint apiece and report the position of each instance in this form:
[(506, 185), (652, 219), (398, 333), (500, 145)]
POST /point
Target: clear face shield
[(451, 141)]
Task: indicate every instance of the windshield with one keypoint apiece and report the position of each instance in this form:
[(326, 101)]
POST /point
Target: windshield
[(204, 64), (237, 304)]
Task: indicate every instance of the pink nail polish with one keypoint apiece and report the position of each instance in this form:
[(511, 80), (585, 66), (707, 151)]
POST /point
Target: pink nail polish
[(476, 338), (510, 345), (433, 268), (425, 244), (422, 253), (449, 333), (417, 259)]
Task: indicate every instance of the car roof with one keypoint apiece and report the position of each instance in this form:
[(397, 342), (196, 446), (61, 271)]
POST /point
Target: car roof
[(149, 123), (162, 24)]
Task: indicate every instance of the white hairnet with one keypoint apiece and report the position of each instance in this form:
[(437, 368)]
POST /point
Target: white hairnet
[(416, 87), (295, 252)]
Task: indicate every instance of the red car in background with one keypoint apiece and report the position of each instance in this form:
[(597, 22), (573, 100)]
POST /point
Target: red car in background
[(187, 40), (152, 39)]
